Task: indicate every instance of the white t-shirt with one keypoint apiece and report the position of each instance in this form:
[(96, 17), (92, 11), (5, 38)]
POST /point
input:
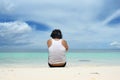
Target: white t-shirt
[(56, 52)]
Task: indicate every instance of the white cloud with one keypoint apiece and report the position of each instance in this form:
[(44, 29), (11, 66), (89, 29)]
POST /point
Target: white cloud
[(14, 27), (113, 16), (20, 35), (14, 33), (51, 12), (115, 44)]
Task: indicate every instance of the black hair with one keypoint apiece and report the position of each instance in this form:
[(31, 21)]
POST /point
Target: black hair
[(56, 33)]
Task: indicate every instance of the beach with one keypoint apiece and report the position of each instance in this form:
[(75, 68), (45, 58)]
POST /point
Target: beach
[(66, 73), (80, 66)]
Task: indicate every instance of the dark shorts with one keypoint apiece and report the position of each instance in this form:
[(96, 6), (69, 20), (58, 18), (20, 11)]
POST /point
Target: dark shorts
[(57, 66)]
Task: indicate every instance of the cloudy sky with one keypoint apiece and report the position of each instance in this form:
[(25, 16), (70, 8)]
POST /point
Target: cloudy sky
[(85, 24)]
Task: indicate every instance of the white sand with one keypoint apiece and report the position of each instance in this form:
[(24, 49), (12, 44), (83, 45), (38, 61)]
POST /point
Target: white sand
[(67, 73)]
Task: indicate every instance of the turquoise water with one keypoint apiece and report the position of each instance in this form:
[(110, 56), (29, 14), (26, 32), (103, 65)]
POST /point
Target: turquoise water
[(73, 59)]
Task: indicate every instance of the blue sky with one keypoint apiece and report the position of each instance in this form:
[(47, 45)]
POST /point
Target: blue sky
[(85, 24)]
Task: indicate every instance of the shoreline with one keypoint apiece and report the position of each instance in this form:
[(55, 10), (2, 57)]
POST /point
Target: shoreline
[(67, 66)]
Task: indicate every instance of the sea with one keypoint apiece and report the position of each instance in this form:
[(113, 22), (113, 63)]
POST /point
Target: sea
[(73, 58)]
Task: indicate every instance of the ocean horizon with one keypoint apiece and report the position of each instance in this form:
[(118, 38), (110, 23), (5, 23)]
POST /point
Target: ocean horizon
[(71, 50)]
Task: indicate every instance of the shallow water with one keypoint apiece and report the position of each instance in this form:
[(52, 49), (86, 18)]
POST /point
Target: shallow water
[(36, 59)]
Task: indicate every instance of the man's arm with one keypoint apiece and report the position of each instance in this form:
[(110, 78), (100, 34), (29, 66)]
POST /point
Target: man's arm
[(64, 43), (49, 43)]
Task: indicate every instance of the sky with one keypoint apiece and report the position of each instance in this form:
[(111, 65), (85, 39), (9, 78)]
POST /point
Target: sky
[(85, 24)]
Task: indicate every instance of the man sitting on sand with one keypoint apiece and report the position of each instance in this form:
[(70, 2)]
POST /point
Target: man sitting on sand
[(57, 48)]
